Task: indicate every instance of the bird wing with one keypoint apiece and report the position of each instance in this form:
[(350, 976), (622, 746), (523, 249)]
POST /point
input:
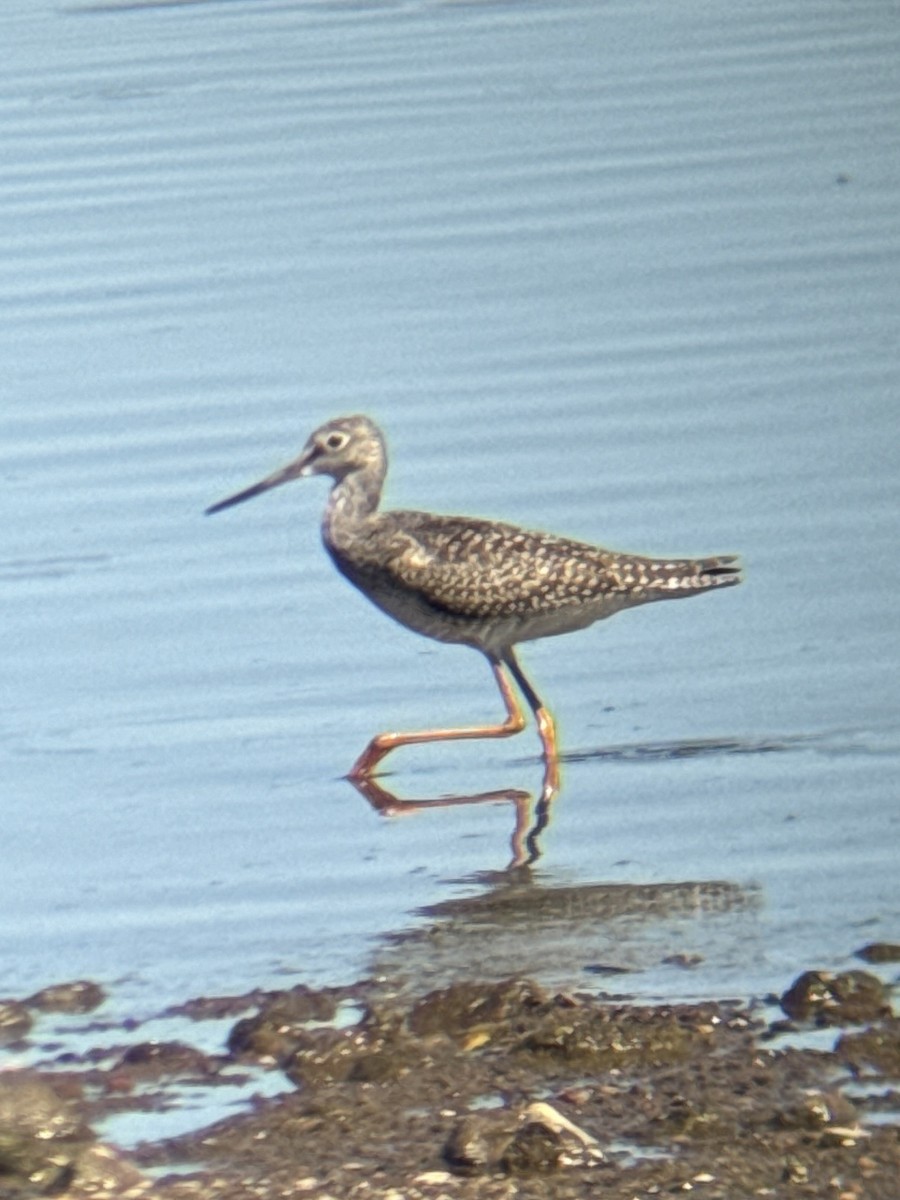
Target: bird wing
[(475, 568)]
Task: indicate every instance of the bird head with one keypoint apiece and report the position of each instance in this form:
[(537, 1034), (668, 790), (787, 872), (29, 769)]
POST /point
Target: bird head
[(337, 448)]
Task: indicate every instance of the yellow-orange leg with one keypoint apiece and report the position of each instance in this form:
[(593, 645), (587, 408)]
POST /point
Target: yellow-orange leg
[(547, 730), (383, 743), (545, 723)]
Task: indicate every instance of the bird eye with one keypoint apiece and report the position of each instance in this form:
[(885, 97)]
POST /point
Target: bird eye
[(336, 441)]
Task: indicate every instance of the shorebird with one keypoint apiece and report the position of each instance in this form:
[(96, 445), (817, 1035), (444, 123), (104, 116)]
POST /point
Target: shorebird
[(475, 582)]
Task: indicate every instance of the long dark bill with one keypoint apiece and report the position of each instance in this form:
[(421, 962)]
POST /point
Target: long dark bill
[(285, 475)]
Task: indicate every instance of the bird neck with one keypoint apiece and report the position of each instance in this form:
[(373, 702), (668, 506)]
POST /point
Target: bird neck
[(352, 500)]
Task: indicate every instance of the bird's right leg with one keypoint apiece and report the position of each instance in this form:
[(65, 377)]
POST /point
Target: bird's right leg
[(383, 743)]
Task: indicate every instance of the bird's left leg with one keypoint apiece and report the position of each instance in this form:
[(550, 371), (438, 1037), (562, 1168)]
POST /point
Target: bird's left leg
[(545, 723)]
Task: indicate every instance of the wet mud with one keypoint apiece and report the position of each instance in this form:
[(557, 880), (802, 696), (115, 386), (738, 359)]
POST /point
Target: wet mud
[(478, 1090)]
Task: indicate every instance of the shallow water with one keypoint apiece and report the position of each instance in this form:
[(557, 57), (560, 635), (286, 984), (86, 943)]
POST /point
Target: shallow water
[(628, 272)]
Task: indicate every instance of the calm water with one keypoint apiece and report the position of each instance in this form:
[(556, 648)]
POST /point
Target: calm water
[(626, 271)]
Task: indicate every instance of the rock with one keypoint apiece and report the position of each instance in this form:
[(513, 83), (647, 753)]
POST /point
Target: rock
[(686, 961), (282, 1023), (594, 1040), (46, 1148), (365, 1053), (850, 998), (157, 1060), (41, 1136), (478, 1142), (15, 1021), (81, 996), (389, 1041), (880, 952), (537, 1139), (876, 1049), (433, 1178), (462, 1007), (535, 1148), (818, 1110), (100, 1168)]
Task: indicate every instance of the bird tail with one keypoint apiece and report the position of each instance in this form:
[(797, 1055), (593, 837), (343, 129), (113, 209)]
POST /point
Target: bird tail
[(685, 576)]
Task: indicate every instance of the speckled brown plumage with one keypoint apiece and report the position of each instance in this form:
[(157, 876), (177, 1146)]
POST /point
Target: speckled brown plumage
[(480, 583), (481, 571)]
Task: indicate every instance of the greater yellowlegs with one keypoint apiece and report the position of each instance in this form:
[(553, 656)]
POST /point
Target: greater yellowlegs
[(479, 583)]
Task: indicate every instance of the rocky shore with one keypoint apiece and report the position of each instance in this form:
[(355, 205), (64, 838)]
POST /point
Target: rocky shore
[(477, 1090)]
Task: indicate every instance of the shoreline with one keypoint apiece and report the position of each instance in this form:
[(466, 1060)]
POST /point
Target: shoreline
[(477, 1090)]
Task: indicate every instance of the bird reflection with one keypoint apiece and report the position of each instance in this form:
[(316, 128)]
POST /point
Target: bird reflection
[(531, 815), (534, 924)]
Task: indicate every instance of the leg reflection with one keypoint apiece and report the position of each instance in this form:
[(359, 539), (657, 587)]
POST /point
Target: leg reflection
[(531, 817)]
